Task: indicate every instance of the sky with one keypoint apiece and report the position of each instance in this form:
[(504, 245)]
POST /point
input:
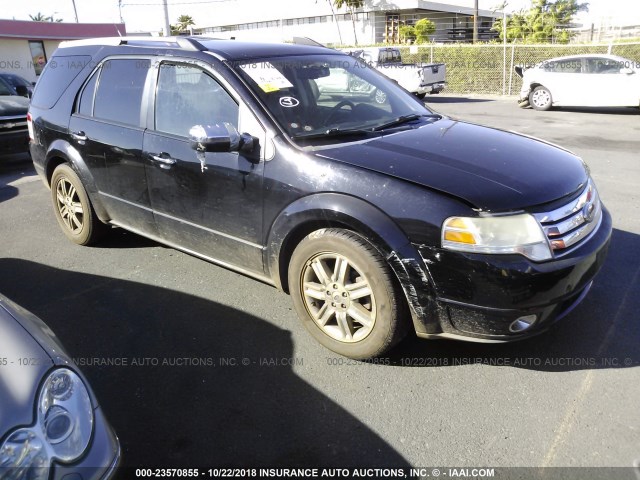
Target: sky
[(147, 15)]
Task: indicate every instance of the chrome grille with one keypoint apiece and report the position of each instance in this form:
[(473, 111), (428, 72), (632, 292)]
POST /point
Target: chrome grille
[(570, 224), (13, 124)]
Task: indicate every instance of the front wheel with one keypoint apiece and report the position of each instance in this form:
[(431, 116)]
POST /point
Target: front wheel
[(73, 209), (345, 294), (540, 98)]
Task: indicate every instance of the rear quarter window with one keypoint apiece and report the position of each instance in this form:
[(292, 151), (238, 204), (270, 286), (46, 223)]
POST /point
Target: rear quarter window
[(58, 74)]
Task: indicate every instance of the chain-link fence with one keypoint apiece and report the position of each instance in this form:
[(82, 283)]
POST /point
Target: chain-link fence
[(490, 68)]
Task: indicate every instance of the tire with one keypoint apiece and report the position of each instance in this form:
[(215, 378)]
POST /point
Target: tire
[(379, 96), (540, 98), (73, 209), (421, 95), (350, 302)]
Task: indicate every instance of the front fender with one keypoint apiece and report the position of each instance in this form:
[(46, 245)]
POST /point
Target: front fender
[(325, 210), (62, 151)]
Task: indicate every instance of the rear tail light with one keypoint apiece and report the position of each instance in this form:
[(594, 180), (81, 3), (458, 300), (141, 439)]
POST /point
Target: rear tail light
[(30, 127)]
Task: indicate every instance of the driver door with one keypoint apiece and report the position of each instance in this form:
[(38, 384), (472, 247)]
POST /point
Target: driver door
[(210, 204)]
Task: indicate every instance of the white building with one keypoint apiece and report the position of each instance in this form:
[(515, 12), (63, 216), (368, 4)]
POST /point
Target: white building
[(377, 22), (25, 47)]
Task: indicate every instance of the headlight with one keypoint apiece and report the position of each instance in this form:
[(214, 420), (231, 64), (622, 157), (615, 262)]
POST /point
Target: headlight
[(62, 430), (497, 234)]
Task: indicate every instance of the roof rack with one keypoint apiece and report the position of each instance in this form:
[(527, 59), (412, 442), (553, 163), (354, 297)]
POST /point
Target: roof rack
[(186, 43)]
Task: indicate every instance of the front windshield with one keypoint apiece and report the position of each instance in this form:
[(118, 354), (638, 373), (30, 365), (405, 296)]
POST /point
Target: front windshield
[(315, 95)]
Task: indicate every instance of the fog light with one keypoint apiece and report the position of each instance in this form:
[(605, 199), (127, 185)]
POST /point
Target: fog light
[(523, 323)]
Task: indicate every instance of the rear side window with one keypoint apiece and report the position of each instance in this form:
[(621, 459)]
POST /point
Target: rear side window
[(56, 77), (119, 94), (86, 99)]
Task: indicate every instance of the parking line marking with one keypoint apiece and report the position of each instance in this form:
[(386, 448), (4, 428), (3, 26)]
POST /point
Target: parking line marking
[(569, 419)]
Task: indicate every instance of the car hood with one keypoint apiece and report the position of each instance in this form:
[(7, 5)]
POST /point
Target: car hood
[(13, 105), (491, 169), (23, 364)]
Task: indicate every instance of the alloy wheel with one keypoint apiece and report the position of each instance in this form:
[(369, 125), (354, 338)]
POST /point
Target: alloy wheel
[(69, 205), (541, 98), (338, 297)]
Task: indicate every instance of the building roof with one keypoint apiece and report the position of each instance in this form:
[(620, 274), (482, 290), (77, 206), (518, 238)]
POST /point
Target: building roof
[(58, 30)]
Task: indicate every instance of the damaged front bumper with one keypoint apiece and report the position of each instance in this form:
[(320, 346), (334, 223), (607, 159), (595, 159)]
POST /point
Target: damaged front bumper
[(499, 298)]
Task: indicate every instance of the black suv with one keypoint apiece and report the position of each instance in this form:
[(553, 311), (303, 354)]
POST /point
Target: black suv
[(376, 218)]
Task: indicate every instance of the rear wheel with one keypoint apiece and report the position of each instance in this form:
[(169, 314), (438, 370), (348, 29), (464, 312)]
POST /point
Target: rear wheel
[(540, 98), (345, 294), (73, 209)]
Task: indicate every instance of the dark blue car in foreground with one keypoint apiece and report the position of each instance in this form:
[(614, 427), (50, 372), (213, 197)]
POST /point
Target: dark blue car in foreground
[(51, 426)]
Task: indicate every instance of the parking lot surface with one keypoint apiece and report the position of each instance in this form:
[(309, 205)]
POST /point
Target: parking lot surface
[(198, 366)]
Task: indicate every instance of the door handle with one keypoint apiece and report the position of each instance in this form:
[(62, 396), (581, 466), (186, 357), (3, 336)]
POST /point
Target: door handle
[(163, 159), (80, 137)]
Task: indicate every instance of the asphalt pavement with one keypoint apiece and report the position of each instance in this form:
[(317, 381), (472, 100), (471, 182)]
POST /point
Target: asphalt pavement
[(195, 365)]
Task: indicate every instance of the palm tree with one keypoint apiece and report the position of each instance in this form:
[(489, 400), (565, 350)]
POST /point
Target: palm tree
[(184, 21), (351, 5), (39, 17)]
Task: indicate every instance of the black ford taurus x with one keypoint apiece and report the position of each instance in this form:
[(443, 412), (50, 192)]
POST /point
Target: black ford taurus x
[(376, 218)]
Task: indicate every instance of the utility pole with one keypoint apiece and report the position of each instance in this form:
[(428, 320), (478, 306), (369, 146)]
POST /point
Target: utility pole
[(504, 46), (167, 26), (120, 10), (475, 21), (75, 11)]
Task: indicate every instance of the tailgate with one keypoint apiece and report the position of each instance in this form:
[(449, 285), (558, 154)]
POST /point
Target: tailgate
[(434, 73)]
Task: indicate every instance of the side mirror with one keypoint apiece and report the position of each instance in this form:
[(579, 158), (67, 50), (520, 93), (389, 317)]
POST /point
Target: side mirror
[(220, 138), (627, 71)]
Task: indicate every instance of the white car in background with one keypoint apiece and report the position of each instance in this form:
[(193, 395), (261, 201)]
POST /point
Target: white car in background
[(581, 81)]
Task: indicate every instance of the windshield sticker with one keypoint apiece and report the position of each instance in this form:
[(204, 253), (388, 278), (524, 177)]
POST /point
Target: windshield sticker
[(289, 102), (268, 77)]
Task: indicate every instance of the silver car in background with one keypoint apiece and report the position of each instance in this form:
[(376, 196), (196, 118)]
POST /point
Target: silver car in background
[(50, 423), (595, 80)]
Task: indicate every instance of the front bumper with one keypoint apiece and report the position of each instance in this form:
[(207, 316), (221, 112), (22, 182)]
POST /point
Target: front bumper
[(15, 141), (524, 94), (478, 297)]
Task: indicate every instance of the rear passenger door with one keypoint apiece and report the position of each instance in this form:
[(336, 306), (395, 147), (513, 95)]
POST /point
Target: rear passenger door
[(212, 204), (107, 130)]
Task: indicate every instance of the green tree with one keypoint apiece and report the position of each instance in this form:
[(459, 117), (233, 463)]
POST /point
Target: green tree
[(545, 21), (423, 29), (351, 6), (39, 17), (184, 21), (407, 33)]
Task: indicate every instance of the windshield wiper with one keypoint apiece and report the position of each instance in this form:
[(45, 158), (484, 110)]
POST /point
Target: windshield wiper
[(333, 133), (402, 120)]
